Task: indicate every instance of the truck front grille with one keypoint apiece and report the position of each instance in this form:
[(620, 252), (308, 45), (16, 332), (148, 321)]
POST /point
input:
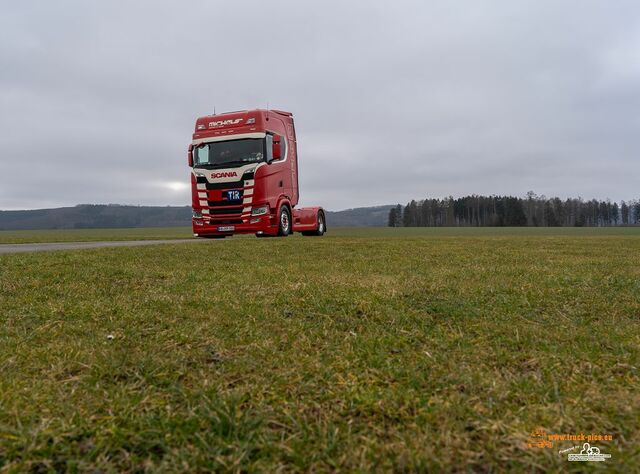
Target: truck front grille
[(216, 210)]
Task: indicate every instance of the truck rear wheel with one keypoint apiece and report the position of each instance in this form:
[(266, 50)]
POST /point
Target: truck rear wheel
[(284, 221), (321, 226)]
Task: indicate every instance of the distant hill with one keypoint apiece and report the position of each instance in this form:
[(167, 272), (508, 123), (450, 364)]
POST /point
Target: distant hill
[(88, 216), (360, 217)]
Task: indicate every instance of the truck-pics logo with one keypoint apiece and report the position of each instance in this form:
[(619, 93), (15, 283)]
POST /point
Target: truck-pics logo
[(222, 123), (224, 174)]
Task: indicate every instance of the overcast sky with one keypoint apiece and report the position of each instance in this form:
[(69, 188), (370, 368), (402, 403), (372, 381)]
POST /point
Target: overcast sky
[(392, 100)]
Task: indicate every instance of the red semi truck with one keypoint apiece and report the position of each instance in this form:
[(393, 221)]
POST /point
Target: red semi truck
[(244, 177)]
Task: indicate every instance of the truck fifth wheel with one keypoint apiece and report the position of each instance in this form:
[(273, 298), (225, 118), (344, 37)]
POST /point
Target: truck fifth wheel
[(244, 177)]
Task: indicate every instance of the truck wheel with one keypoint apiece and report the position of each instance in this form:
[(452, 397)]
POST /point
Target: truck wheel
[(322, 224), (284, 221), (321, 228)]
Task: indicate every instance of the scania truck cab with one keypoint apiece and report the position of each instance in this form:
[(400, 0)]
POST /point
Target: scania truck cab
[(244, 177)]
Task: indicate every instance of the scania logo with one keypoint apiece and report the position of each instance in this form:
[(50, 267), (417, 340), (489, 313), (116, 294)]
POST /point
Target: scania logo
[(222, 123), (224, 174)]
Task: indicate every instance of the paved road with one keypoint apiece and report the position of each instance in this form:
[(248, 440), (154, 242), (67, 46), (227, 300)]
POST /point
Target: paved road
[(15, 248)]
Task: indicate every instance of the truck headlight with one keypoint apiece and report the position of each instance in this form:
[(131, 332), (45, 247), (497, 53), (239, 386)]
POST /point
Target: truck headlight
[(260, 211), (196, 214)]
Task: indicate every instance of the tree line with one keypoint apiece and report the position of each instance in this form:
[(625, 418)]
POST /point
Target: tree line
[(533, 210)]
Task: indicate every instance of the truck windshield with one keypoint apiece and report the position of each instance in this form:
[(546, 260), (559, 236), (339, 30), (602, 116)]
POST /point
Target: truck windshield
[(228, 153)]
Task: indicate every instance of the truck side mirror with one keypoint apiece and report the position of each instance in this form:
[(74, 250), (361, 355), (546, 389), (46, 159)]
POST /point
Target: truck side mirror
[(190, 156), (277, 147)]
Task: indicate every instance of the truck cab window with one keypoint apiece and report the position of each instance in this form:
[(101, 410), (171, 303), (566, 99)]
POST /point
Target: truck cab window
[(229, 153)]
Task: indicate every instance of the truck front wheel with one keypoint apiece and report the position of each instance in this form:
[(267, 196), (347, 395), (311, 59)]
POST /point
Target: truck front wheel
[(284, 221)]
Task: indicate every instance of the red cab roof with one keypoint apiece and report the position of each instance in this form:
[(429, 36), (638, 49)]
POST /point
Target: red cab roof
[(243, 121)]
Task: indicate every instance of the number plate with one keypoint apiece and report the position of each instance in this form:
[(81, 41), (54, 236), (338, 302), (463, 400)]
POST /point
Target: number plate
[(226, 228), (234, 195)]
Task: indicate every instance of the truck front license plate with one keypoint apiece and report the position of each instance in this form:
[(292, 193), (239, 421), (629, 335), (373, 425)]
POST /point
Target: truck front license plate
[(226, 228)]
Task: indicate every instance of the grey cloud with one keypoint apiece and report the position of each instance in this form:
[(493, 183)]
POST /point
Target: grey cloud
[(393, 100)]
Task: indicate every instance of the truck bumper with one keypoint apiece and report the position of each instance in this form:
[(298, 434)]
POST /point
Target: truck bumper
[(258, 225)]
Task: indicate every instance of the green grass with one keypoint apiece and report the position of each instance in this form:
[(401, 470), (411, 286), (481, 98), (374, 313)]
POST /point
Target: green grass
[(158, 233), (383, 349)]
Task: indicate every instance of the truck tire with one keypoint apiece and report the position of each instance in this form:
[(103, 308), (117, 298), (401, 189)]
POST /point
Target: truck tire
[(321, 228), (284, 221)]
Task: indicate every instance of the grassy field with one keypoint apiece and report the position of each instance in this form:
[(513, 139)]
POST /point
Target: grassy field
[(367, 349), (159, 233)]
